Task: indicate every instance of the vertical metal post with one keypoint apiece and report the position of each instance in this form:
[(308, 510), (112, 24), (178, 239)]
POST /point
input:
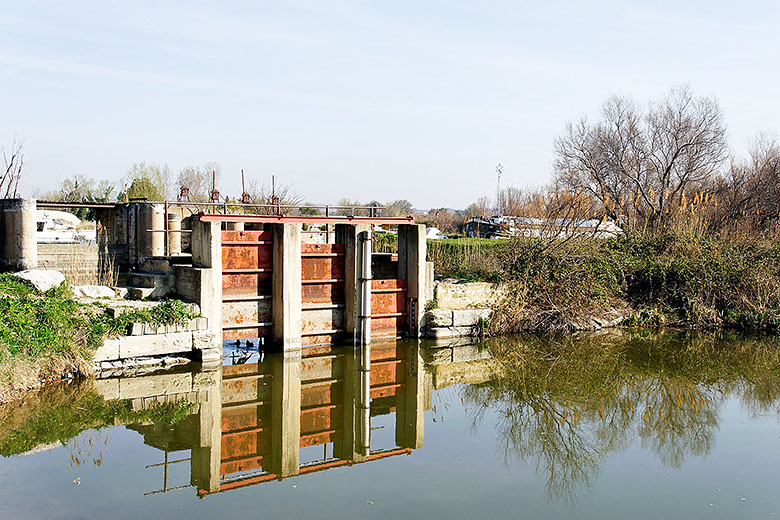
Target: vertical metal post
[(167, 238), (365, 400), (327, 229), (366, 281)]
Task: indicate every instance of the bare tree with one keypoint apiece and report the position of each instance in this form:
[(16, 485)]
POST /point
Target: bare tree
[(262, 194), (750, 192), (12, 170), (642, 165), (200, 180), (479, 208)]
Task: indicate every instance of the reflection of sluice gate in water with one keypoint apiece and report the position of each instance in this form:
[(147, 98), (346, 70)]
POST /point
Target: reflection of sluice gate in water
[(292, 413), (274, 411)]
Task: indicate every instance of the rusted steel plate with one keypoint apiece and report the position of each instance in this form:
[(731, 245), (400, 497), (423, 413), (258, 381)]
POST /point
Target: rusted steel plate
[(386, 373), (246, 257), (238, 312), (387, 327), (317, 439), (246, 236), (327, 268), (323, 293), (247, 263), (315, 249), (244, 444), (321, 368), (320, 320), (388, 303), (245, 390), (244, 417), (323, 418), (322, 261), (246, 333), (380, 285), (234, 286), (325, 393), (229, 371), (386, 391), (388, 306), (245, 464), (386, 350), (318, 351)]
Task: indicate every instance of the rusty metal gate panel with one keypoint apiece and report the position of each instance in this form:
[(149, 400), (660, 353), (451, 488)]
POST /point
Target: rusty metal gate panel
[(388, 369), (246, 417), (388, 308), (322, 292), (247, 262)]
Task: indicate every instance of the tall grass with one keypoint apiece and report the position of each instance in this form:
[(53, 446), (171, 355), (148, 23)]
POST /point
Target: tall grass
[(44, 336)]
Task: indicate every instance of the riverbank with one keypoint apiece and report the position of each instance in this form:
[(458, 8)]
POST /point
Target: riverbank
[(649, 279), (52, 335)]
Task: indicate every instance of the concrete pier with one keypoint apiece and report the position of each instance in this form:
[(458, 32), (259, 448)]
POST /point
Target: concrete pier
[(18, 225), (347, 235), (203, 281), (412, 268), (287, 301)]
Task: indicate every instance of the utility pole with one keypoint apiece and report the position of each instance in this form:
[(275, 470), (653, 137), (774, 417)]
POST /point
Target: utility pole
[(499, 170)]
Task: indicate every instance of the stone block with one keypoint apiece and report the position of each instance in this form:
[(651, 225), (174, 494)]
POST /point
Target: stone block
[(449, 332), (203, 340), (470, 317), (474, 372), (137, 329), (94, 291), (456, 295), (210, 355), (108, 351), (154, 345), (108, 389), (469, 353), (154, 385), (438, 318), (437, 356), (204, 380)]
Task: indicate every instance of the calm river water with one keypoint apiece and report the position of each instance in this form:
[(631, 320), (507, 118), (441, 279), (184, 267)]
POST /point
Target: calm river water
[(618, 426)]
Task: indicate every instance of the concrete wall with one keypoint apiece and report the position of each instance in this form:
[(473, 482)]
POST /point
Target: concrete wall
[(78, 262)]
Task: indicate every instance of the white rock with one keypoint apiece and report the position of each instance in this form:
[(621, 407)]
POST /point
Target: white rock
[(42, 279), (94, 291)]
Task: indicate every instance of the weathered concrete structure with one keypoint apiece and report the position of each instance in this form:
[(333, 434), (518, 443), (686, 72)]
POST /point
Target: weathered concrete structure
[(253, 276), (18, 228)]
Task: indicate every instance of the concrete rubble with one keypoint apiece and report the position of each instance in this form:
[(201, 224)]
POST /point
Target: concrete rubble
[(42, 279)]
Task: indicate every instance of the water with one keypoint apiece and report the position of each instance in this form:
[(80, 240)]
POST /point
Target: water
[(668, 426)]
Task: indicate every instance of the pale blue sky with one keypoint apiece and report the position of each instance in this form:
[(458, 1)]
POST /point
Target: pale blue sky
[(375, 100)]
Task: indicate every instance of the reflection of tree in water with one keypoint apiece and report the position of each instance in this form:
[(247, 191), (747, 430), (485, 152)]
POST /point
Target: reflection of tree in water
[(565, 404)]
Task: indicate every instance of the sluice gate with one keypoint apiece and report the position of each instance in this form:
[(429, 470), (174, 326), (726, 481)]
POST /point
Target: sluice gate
[(281, 291)]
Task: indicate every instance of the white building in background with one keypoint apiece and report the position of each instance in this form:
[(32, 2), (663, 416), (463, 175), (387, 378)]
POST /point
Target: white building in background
[(500, 226), (61, 227)]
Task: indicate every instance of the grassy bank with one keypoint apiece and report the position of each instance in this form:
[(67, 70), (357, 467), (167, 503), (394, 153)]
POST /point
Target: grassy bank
[(655, 278), (44, 336)]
